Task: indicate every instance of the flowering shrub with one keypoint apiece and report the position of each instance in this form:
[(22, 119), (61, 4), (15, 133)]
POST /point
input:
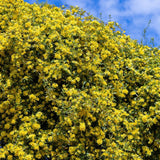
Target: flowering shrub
[(72, 87)]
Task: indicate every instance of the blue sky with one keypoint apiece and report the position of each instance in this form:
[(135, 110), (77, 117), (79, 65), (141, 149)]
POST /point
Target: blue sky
[(132, 15)]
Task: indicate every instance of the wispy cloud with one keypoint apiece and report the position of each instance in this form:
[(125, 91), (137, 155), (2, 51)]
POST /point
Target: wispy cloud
[(143, 7), (134, 15)]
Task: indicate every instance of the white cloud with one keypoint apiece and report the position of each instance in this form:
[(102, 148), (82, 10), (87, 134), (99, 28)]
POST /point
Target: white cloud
[(108, 7), (155, 23), (138, 13), (143, 7)]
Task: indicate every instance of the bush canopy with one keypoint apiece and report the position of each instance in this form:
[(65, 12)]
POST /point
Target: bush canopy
[(72, 87)]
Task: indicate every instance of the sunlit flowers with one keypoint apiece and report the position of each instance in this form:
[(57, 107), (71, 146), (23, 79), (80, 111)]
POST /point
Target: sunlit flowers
[(73, 87)]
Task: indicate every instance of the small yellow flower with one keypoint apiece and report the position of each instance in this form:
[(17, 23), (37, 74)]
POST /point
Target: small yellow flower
[(144, 118), (2, 155), (57, 56), (155, 121), (125, 91), (141, 100), (8, 83), (41, 144), (82, 126), (146, 150), (10, 157), (38, 115), (28, 24), (77, 79), (7, 126), (50, 138), (73, 81), (38, 155), (13, 121), (36, 126), (22, 133), (28, 157), (69, 121), (132, 93), (33, 98), (130, 137), (72, 149), (34, 145), (54, 85), (99, 141)]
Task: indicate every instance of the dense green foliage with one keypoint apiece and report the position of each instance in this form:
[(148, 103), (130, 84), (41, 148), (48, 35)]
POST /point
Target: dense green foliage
[(72, 87)]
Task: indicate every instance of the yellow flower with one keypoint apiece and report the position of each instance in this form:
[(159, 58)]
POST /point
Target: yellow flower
[(36, 126), (38, 115), (28, 157), (8, 83), (42, 46), (10, 157), (99, 141), (25, 93), (34, 145), (146, 150), (141, 51), (155, 120), (82, 126), (13, 121), (141, 100), (69, 121), (77, 79), (57, 56), (125, 91), (144, 118), (38, 155), (130, 137), (54, 85), (41, 144), (2, 155), (22, 133), (7, 126), (33, 98), (50, 139), (72, 149), (132, 93), (21, 153)]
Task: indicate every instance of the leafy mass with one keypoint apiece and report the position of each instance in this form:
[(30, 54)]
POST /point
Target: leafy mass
[(72, 87)]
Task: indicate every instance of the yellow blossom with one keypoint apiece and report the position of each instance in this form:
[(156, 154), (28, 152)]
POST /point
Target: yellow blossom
[(145, 118), (99, 141), (39, 114), (72, 150), (36, 126), (82, 126)]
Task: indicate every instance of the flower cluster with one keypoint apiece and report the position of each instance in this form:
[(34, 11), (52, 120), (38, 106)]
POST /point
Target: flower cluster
[(72, 87)]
